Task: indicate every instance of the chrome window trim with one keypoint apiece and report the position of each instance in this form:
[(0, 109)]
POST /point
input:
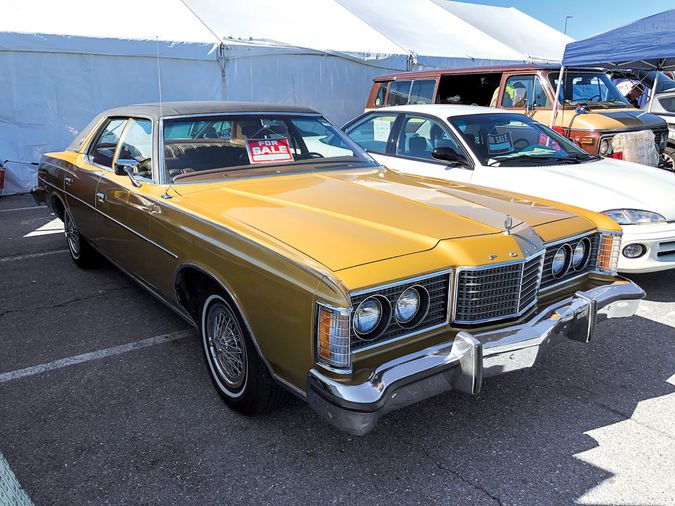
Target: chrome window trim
[(249, 113), (524, 310), (374, 289)]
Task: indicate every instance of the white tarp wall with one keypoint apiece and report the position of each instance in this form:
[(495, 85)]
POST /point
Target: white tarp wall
[(63, 62)]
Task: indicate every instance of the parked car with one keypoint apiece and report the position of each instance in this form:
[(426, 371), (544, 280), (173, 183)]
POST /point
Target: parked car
[(509, 151), (592, 113), (310, 268), (664, 101)]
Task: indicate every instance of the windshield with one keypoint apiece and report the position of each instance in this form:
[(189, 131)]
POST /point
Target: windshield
[(224, 146), (594, 88), (509, 139)]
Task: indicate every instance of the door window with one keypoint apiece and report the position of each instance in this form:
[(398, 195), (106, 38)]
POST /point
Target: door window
[(372, 133), (136, 146), (422, 91), (525, 92), (420, 136), (399, 92), (103, 150)]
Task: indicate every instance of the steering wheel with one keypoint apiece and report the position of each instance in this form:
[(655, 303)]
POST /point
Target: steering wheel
[(521, 140), (313, 154), (590, 99)]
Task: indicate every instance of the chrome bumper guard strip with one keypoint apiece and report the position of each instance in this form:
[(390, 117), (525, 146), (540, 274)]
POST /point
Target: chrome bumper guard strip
[(462, 364)]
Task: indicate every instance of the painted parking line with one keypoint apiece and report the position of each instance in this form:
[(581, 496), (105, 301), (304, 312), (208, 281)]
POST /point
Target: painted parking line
[(53, 227), (31, 255), (95, 355), (11, 492), (23, 209)]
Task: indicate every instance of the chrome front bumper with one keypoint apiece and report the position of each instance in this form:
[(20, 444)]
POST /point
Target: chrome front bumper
[(463, 363)]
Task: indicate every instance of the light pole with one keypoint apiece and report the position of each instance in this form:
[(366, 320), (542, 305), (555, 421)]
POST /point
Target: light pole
[(566, 18)]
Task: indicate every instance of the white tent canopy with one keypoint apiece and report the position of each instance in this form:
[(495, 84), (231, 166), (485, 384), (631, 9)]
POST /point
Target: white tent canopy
[(63, 62)]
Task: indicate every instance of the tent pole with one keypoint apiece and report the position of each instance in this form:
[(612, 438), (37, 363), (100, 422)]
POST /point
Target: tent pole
[(651, 99), (561, 76)]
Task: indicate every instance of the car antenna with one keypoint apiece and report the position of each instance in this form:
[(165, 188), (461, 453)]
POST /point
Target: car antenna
[(164, 195)]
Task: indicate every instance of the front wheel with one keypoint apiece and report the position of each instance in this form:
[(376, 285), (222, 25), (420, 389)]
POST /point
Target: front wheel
[(80, 251), (237, 372)]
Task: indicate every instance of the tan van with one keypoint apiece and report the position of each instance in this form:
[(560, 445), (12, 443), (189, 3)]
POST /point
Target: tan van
[(593, 113)]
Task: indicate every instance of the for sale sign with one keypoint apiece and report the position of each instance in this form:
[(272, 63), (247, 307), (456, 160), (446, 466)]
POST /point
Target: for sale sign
[(274, 150)]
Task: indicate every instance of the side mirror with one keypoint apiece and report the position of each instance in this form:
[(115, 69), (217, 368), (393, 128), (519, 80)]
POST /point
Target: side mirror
[(448, 154), (127, 167)]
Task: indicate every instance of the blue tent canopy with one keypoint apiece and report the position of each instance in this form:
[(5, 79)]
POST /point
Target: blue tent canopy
[(646, 44)]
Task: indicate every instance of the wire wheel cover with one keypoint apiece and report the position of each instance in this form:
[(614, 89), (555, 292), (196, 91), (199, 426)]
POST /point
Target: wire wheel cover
[(226, 345), (72, 237)]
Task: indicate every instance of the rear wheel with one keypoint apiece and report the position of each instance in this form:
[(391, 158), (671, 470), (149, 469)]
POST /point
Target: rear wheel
[(81, 252), (237, 372)]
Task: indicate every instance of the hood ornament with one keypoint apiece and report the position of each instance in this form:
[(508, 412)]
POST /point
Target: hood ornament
[(508, 224)]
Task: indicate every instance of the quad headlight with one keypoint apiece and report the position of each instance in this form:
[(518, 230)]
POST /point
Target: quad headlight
[(604, 147), (561, 261), (581, 254), (634, 216), (368, 316), (407, 305)]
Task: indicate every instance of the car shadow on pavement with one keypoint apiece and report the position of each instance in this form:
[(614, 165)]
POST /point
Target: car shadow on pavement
[(516, 441), (660, 286)]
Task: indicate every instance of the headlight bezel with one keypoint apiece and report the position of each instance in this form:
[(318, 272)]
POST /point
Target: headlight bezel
[(566, 251), (629, 216), (383, 321), (585, 258), (422, 309)]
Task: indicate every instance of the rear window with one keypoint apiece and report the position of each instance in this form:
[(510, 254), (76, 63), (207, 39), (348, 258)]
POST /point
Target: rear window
[(399, 92), (420, 91)]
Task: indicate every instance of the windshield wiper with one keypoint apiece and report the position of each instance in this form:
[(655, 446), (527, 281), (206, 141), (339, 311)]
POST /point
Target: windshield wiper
[(522, 157)]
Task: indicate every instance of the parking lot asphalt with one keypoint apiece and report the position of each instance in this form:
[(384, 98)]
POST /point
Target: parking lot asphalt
[(124, 411)]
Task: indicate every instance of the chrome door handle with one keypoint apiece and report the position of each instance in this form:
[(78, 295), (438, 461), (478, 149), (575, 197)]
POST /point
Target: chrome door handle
[(67, 180), (100, 196)]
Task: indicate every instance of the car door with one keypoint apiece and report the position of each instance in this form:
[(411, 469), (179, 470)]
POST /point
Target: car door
[(525, 93), (125, 205), (416, 137), (81, 180)]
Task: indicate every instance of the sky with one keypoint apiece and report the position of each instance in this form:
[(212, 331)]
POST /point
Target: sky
[(590, 17)]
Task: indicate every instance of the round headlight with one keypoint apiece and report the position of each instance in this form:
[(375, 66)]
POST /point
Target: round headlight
[(367, 316), (604, 147), (561, 261), (580, 254), (407, 305), (634, 250)]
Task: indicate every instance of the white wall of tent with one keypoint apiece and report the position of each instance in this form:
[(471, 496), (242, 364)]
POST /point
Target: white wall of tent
[(63, 62)]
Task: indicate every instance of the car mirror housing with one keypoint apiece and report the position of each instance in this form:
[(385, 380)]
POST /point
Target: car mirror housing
[(448, 154), (126, 168)]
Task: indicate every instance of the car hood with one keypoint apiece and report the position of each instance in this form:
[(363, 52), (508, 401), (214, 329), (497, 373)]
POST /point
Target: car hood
[(598, 186), (612, 119), (346, 218)]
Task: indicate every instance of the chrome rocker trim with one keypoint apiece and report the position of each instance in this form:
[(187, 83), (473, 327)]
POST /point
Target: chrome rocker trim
[(463, 363)]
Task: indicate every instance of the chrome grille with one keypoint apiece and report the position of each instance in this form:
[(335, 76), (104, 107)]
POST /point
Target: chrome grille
[(548, 280), (438, 287), (494, 293)]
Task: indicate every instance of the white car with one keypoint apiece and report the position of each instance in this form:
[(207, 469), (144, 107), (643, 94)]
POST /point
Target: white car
[(505, 150)]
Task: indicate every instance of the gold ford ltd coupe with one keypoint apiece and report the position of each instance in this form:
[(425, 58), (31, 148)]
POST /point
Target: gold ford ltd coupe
[(308, 267)]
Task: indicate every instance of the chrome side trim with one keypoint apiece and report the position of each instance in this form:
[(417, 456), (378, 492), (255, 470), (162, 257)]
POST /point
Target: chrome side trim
[(237, 304), (138, 234)]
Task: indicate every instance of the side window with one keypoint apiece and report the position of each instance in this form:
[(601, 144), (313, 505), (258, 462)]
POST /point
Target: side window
[(420, 136), (518, 91), (381, 92), (372, 133), (398, 92), (103, 149), (136, 146), (423, 91)]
